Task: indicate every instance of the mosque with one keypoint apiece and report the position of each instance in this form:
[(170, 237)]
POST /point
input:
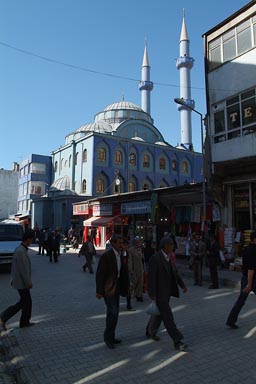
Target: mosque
[(122, 151)]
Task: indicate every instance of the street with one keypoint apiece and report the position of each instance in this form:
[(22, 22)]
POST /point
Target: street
[(66, 344)]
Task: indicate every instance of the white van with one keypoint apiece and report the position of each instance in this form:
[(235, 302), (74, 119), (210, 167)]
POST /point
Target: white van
[(10, 237)]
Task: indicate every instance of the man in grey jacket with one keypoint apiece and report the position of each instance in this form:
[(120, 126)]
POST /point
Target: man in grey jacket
[(21, 280)]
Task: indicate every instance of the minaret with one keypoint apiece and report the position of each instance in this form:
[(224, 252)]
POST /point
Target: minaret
[(145, 85), (184, 64)]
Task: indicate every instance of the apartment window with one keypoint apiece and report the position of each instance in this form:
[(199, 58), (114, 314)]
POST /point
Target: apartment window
[(238, 117), (229, 45), (84, 155), (146, 161), (132, 159), (118, 157), (244, 37), (84, 186), (215, 53), (232, 43), (102, 154), (219, 122), (99, 186)]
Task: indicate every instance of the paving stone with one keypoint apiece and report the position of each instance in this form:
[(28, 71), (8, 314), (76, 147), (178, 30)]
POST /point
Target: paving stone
[(66, 345)]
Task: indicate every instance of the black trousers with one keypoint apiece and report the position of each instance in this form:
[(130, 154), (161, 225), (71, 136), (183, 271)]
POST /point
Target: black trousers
[(88, 263), (166, 316), (25, 305), (214, 274), (232, 317), (112, 304)]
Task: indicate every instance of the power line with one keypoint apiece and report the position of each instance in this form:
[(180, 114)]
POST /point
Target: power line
[(96, 72)]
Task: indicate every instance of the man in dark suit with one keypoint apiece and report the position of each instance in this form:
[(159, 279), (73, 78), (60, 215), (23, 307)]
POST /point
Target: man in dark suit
[(112, 280), (163, 281)]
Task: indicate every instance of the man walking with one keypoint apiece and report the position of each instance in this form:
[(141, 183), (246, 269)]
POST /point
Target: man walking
[(88, 251), (248, 281), (163, 281), (112, 280), (21, 280), (197, 250)]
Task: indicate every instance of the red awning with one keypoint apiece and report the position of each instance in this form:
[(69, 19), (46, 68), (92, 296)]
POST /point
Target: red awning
[(99, 221)]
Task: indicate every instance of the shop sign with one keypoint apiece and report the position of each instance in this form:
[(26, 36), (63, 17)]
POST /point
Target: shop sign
[(136, 207), (102, 210), (80, 209)]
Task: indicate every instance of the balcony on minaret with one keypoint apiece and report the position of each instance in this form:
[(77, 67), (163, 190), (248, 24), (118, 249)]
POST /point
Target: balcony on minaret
[(185, 61), (145, 85)]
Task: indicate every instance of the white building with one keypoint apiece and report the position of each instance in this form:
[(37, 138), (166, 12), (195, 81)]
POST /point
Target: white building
[(8, 191), (230, 57)]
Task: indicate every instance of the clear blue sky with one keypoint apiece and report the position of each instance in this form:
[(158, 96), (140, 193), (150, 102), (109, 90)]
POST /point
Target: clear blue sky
[(42, 101)]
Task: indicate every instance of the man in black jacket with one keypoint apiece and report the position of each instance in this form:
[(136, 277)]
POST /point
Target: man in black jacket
[(112, 280), (163, 281), (248, 281)]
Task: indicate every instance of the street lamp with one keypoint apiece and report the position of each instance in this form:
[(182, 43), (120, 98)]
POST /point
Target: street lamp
[(183, 102)]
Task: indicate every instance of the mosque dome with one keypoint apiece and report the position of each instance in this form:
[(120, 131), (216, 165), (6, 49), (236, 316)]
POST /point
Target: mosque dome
[(123, 105), (101, 127)]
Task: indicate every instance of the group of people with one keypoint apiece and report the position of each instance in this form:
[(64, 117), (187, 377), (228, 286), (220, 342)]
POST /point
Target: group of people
[(49, 243), (115, 279), (200, 252)]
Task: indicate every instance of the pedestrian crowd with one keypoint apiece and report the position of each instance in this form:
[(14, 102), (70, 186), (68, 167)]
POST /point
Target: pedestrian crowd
[(131, 269)]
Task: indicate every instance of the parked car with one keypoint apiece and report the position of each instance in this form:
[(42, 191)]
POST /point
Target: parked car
[(10, 237)]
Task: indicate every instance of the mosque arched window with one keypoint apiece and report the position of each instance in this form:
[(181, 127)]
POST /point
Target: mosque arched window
[(56, 166), (84, 155), (145, 187), (184, 167), (69, 161), (76, 158), (174, 165), (84, 186), (118, 157), (131, 186), (162, 163), (99, 186), (101, 154), (146, 161), (62, 164), (132, 159)]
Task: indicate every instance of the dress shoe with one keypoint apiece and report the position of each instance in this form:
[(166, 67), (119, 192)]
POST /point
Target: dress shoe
[(2, 324), (140, 299), (232, 326), (109, 344), (179, 346), (27, 325), (117, 341), (130, 308), (155, 338)]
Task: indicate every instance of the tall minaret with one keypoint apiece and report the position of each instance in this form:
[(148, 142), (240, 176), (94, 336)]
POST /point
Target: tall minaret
[(184, 64), (145, 85)]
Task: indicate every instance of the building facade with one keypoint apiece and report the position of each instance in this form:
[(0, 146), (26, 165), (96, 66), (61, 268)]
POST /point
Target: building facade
[(35, 178), (8, 191), (230, 70)]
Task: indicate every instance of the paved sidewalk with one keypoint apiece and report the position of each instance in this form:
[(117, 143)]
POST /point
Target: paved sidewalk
[(66, 345)]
